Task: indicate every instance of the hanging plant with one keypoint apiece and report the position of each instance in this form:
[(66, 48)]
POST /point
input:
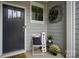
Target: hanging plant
[(55, 14)]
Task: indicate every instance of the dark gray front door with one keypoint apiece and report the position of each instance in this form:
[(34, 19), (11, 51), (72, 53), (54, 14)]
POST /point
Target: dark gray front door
[(13, 32)]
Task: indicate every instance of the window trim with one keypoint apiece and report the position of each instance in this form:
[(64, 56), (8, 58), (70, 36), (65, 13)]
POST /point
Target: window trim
[(37, 5)]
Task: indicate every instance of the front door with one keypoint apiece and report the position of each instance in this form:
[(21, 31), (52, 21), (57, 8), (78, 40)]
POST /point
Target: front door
[(13, 31)]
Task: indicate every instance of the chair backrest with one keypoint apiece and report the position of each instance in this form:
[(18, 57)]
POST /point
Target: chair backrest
[(36, 39)]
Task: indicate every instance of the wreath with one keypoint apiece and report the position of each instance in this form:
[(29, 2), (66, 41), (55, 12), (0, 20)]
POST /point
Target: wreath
[(55, 14)]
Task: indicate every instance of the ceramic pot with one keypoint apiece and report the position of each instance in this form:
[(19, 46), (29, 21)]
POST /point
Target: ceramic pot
[(50, 41)]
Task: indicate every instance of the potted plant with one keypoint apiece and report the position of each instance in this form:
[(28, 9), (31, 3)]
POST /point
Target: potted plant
[(50, 37), (49, 41), (54, 49)]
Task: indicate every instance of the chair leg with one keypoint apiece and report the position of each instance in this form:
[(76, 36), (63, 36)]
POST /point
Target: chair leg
[(42, 51), (33, 51)]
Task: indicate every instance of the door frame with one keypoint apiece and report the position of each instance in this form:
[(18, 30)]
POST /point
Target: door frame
[(25, 33)]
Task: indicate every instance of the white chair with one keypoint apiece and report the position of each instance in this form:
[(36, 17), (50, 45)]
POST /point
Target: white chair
[(42, 39)]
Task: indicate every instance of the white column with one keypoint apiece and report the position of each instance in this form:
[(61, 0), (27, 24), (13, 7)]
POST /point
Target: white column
[(70, 47), (73, 29)]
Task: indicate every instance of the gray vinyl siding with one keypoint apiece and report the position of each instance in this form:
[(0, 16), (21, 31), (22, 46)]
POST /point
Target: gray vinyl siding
[(58, 30), (77, 29)]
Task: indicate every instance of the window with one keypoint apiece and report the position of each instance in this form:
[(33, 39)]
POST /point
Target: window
[(14, 14), (18, 14), (37, 13), (9, 13)]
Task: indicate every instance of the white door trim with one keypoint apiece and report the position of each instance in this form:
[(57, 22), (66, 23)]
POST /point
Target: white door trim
[(20, 51)]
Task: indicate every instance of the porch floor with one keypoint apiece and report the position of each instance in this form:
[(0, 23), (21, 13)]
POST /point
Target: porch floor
[(46, 55)]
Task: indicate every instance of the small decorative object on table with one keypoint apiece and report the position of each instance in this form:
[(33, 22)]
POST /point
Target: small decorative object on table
[(54, 49)]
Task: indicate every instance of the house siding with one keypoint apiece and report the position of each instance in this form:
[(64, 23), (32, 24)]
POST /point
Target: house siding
[(58, 30)]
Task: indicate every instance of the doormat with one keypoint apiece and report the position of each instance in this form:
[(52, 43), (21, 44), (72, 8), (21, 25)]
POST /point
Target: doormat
[(22, 55)]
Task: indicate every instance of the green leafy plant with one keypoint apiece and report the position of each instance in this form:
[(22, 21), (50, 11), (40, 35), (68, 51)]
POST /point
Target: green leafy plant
[(54, 49), (49, 37)]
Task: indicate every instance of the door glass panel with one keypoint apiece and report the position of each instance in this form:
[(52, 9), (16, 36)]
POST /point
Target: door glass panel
[(14, 13), (9, 13), (18, 14)]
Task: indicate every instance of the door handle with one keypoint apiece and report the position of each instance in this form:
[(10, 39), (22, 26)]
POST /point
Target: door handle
[(24, 26)]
